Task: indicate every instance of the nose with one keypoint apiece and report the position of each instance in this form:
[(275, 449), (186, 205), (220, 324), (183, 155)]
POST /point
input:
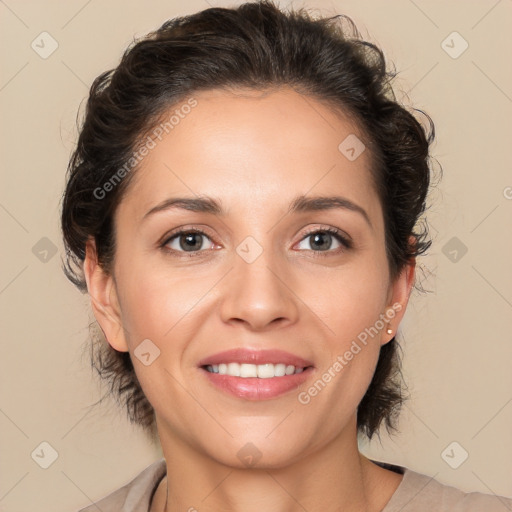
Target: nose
[(259, 294)]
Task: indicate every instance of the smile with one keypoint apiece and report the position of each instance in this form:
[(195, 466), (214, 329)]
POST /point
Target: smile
[(261, 371)]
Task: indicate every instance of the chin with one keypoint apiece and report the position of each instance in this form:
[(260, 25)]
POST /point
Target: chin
[(257, 454)]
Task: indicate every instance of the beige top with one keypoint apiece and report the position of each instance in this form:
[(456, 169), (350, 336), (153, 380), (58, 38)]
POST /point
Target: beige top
[(416, 493)]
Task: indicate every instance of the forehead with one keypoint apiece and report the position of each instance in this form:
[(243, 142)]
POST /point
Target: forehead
[(254, 150)]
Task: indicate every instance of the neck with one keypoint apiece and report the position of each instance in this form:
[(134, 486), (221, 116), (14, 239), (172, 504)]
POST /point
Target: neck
[(331, 476)]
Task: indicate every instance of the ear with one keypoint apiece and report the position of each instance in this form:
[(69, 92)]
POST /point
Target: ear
[(104, 300), (398, 298)]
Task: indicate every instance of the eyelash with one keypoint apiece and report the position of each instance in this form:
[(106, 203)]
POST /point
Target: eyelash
[(344, 241)]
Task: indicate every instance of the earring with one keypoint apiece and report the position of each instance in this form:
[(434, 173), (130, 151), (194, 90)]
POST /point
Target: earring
[(389, 330)]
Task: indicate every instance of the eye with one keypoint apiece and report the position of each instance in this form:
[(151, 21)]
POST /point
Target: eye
[(191, 241), (320, 240)]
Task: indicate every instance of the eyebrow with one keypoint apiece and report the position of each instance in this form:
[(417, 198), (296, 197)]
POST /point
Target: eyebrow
[(298, 205)]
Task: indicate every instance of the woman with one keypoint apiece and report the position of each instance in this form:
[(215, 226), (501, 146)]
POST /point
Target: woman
[(242, 209)]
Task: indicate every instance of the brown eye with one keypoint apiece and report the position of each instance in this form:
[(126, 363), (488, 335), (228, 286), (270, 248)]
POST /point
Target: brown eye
[(321, 240), (187, 241)]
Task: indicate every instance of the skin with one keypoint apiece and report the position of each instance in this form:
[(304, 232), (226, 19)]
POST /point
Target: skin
[(253, 152)]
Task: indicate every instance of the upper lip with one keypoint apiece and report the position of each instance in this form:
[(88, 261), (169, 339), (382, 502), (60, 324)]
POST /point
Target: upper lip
[(255, 356)]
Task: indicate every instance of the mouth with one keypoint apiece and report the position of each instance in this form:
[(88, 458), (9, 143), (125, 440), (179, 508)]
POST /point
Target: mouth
[(256, 374)]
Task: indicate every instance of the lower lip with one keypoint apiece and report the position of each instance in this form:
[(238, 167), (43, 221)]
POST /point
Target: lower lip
[(254, 388)]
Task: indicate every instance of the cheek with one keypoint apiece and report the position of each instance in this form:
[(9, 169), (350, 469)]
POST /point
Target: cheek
[(350, 299), (351, 308), (153, 304), (350, 303), (159, 306)]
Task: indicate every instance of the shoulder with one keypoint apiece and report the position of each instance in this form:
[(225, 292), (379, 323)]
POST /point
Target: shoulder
[(421, 493), (136, 495)]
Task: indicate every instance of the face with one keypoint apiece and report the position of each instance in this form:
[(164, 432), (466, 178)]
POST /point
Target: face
[(296, 282)]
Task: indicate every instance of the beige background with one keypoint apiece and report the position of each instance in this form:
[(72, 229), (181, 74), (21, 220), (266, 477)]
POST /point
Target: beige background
[(456, 340)]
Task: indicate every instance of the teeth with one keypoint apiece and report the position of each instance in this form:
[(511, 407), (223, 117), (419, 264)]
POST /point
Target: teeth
[(233, 369), (262, 371), (290, 370)]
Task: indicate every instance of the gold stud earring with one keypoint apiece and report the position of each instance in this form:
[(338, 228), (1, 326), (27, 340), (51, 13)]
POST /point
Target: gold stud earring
[(389, 330)]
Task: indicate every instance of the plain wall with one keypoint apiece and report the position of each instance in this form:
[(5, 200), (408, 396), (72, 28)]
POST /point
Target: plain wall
[(456, 339)]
